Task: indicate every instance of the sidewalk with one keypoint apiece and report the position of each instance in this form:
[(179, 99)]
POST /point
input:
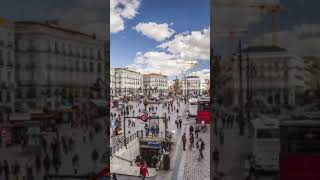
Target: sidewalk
[(194, 169), (233, 153)]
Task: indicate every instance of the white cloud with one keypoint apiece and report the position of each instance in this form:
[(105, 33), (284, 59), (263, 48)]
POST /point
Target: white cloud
[(120, 10), (158, 32), (159, 62), (203, 74), (190, 46), (302, 40)]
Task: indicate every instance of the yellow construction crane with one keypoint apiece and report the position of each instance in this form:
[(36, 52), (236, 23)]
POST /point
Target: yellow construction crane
[(274, 10), (264, 8), (232, 35)]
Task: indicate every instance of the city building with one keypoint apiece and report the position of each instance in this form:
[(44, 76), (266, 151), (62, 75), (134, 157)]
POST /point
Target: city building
[(112, 82), (56, 66), (270, 74), (127, 82), (312, 72), (7, 63), (191, 86), (155, 84)]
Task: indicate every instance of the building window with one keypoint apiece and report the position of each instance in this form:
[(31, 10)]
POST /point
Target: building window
[(8, 97), (91, 68), (99, 68)]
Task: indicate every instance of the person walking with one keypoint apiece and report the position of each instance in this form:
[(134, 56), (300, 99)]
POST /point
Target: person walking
[(252, 169), (6, 169), (16, 170), (191, 130), (180, 123), (191, 139), (177, 123), (144, 171), (197, 130), (133, 123), (221, 136), (114, 176), (201, 146), (184, 141), (216, 159), (1, 170)]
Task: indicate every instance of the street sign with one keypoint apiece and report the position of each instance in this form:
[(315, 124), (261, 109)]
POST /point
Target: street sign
[(144, 117)]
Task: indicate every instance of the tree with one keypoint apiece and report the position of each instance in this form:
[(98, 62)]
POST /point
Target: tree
[(177, 86), (206, 86)]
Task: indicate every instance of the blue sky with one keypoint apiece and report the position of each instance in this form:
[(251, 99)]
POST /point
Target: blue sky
[(185, 16)]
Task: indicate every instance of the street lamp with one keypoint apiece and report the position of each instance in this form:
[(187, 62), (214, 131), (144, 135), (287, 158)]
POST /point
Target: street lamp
[(241, 118)]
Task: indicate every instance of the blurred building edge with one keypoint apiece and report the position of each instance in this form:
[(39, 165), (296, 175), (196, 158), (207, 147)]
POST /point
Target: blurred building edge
[(50, 68), (272, 74)]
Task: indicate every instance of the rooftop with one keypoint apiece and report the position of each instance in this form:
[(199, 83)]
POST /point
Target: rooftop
[(155, 74), (192, 77), (265, 48), (55, 27), (125, 69)]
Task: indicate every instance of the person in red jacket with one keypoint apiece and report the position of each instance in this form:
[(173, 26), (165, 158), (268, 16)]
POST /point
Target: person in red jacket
[(144, 171)]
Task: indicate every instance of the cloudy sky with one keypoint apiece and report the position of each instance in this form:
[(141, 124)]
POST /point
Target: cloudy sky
[(88, 16), (161, 36), (296, 26)]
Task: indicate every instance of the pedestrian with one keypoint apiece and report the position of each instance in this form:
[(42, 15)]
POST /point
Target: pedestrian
[(221, 135), (1, 169), (75, 163), (157, 130), (180, 123), (146, 128), (154, 161), (129, 123), (144, 171), (200, 145), (252, 169), (184, 141), (6, 169), (16, 169), (46, 163), (114, 176), (38, 163), (191, 139), (84, 139), (191, 130), (133, 123), (177, 123), (196, 131), (216, 159), (153, 131)]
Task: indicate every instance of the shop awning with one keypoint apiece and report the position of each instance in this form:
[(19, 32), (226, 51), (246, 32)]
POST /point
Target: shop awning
[(20, 117)]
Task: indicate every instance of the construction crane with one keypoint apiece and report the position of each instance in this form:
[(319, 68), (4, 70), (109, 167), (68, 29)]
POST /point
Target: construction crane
[(232, 35), (264, 8), (274, 10)]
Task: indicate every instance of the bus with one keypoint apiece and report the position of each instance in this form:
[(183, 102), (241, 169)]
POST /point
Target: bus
[(192, 107), (300, 149), (266, 143), (204, 110)]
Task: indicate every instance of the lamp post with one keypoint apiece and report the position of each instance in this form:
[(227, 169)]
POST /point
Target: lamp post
[(241, 118)]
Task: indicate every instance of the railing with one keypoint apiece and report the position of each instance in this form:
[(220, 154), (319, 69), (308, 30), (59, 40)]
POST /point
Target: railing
[(119, 143)]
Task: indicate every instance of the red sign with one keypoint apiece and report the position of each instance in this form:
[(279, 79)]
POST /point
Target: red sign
[(144, 117)]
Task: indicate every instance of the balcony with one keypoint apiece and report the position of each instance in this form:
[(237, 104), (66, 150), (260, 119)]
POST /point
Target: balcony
[(10, 64), (32, 48)]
